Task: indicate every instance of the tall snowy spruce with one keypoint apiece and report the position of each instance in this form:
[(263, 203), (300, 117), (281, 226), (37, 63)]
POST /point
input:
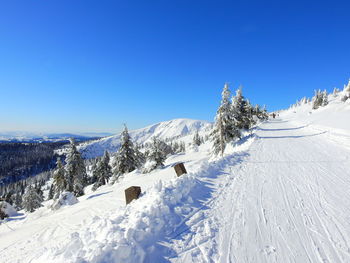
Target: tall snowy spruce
[(346, 92), (103, 171), (242, 111), (225, 129), (125, 159), (59, 179), (75, 174), (31, 199)]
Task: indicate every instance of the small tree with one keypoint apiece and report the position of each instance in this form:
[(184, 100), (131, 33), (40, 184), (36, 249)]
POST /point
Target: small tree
[(102, 172), (324, 98), (31, 199), (125, 160), (156, 153), (75, 173), (59, 180), (317, 100), (197, 139)]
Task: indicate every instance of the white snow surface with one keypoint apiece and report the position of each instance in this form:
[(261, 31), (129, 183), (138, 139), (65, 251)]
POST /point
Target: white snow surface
[(174, 129), (65, 198), (281, 194), (8, 209)]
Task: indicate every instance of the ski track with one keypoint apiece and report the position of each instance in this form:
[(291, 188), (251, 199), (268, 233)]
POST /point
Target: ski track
[(288, 201)]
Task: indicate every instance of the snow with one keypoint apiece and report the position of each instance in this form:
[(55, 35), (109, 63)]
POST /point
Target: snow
[(8, 209), (280, 194), (65, 198), (175, 129)]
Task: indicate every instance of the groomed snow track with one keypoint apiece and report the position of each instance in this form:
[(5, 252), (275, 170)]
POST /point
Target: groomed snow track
[(288, 201)]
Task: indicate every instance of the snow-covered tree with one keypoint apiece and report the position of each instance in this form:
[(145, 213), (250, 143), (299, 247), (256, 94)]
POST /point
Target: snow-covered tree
[(324, 98), (31, 199), (197, 139), (156, 153), (59, 180), (346, 92), (336, 92), (75, 174), (317, 100), (125, 159), (225, 129), (242, 111), (102, 172)]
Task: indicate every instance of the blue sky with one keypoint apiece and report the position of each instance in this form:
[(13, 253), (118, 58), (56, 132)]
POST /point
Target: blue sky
[(93, 65)]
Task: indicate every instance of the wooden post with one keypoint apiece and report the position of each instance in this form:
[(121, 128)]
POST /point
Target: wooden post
[(180, 169), (133, 192)]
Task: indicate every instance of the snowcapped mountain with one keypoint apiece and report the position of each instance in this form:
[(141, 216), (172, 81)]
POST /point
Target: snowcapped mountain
[(173, 129), (17, 136)]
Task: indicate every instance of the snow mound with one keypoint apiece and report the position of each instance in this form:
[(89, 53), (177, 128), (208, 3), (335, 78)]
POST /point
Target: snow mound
[(130, 235), (7, 209), (173, 129), (65, 199)]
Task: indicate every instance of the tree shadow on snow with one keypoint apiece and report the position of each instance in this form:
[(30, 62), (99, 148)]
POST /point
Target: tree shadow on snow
[(290, 136), (96, 195), (286, 129)]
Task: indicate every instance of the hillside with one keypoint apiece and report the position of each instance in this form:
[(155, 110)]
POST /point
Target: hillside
[(173, 129), (280, 194)]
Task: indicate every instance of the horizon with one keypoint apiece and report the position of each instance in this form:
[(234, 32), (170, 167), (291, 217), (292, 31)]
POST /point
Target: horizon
[(83, 66)]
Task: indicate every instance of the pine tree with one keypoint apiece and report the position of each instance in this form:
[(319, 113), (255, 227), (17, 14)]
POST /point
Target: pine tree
[(31, 199), (324, 98), (140, 157), (156, 153), (241, 111), (225, 129), (102, 172), (197, 139), (59, 180), (346, 92), (317, 100), (75, 175), (125, 160)]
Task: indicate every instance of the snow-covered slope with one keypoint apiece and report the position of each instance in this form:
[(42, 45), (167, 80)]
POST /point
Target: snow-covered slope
[(172, 129), (280, 194), (332, 119)]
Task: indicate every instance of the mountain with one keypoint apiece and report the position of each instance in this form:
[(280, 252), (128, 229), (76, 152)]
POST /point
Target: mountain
[(173, 129), (17, 136)]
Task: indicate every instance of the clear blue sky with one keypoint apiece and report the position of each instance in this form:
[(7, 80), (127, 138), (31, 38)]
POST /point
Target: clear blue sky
[(93, 65)]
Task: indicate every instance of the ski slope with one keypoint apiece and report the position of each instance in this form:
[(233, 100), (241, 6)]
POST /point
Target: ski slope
[(287, 201), (279, 195)]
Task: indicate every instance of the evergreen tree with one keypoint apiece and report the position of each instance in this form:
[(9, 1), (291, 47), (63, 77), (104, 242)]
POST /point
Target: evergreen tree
[(197, 139), (140, 157), (125, 160), (156, 153), (102, 172), (241, 111), (346, 92), (324, 98), (75, 175), (225, 129), (31, 199), (317, 100), (51, 192), (59, 180)]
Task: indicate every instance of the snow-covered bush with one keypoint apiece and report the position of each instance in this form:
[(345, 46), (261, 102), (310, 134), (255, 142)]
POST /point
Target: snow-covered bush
[(6, 210), (65, 199), (149, 166)]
